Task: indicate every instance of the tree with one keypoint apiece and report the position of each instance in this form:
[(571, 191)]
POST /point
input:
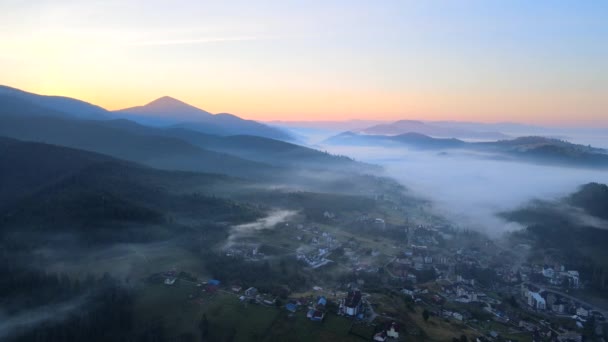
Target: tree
[(513, 302), (463, 338), (204, 326), (426, 315)]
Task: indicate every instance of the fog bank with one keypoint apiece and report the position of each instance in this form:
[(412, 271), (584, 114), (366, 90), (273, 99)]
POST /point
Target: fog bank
[(470, 188)]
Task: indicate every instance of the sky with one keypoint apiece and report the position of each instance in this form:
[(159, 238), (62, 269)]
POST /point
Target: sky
[(541, 62)]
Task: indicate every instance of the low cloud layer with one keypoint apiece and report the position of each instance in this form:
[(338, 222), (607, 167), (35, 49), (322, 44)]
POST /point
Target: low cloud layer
[(268, 222), (11, 325), (469, 188)]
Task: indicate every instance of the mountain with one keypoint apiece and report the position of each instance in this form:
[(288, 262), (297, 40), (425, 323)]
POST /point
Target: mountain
[(347, 125), (153, 150), (165, 111), (58, 189), (539, 150), (168, 148), (548, 150), (430, 129), (414, 140), (260, 149), (172, 112), (28, 167), (593, 198), (572, 230), (168, 109), (54, 105)]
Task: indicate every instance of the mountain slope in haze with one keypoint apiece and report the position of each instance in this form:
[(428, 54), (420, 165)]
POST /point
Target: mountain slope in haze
[(414, 140), (592, 198), (169, 111), (173, 148), (256, 148), (539, 150), (571, 231), (56, 105), (69, 189), (430, 129), (27, 167), (31, 166), (155, 151), (163, 111)]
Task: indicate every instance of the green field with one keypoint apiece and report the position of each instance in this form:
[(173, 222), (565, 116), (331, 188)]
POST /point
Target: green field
[(181, 307)]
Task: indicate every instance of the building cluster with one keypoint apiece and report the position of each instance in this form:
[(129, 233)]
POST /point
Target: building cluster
[(316, 311), (549, 301), (388, 331)]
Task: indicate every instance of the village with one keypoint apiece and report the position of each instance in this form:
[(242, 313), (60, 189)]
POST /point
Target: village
[(410, 282)]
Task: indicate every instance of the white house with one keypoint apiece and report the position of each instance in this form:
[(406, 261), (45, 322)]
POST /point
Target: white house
[(393, 331), (548, 272), (536, 301)]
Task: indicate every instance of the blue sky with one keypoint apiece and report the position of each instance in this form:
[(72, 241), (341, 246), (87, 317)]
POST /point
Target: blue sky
[(530, 61)]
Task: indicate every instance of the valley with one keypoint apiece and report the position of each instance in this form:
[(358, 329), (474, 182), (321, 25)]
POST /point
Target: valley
[(139, 232)]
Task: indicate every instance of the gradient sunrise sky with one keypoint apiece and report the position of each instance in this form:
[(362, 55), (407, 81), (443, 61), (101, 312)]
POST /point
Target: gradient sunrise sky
[(529, 61)]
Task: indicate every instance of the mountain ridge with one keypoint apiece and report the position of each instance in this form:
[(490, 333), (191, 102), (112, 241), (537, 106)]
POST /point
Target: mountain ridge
[(163, 111), (430, 129), (169, 111), (536, 149)]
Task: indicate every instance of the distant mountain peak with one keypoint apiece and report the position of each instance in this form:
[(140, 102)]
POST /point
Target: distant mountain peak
[(416, 122), (170, 106), (167, 102), (430, 129)]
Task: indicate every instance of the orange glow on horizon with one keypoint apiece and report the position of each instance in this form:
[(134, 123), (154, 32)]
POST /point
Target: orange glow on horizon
[(271, 105)]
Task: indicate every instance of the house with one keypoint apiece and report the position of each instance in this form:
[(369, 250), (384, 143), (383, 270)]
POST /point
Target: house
[(352, 305), (408, 291), (528, 326), (559, 306), (548, 272), (582, 312), (465, 295), (536, 301), (236, 288), (393, 331), (317, 313), (212, 285), (329, 215), (251, 292), (380, 336), (292, 307), (380, 223), (573, 278), (412, 277), (170, 280)]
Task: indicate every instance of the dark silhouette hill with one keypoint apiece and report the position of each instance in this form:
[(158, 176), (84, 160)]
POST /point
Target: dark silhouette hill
[(156, 151), (172, 112), (49, 185), (54, 105)]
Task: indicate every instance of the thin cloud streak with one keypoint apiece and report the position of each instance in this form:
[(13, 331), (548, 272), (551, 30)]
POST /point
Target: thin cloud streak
[(200, 41)]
